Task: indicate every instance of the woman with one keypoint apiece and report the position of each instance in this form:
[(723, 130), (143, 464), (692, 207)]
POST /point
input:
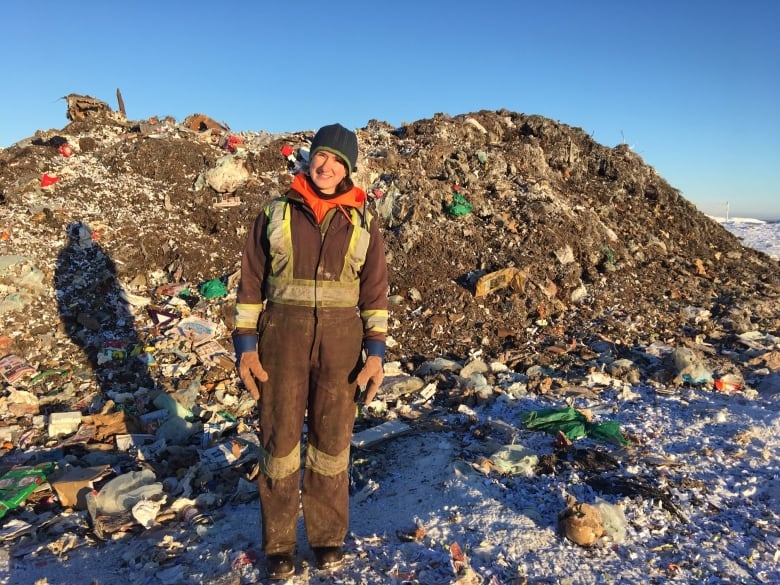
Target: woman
[(311, 300)]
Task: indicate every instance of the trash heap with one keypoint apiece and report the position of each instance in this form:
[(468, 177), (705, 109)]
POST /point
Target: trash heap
[(529, 265)]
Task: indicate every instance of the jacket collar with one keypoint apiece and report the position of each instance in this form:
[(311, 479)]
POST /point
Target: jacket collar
[(320, 204)]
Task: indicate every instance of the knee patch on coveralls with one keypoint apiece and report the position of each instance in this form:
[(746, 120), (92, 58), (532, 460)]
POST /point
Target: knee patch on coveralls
[(280, 467), (326, 464)]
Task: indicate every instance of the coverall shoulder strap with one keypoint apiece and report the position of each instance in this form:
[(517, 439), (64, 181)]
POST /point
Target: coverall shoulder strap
[(361, 217)]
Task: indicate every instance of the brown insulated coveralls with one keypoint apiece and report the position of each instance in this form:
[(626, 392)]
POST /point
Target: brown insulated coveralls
[(312, 355)]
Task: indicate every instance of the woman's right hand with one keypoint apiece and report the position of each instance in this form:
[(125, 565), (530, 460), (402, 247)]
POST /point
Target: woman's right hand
[(251, 372)]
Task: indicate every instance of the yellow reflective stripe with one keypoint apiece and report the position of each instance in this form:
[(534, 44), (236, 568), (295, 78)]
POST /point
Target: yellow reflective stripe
[(280, 237), (308, 293), (280, 467), (374, 320), (357, 250), (247, 315), (325, 464)]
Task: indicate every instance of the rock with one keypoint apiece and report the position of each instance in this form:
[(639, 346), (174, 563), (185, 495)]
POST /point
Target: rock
[(769, 386)]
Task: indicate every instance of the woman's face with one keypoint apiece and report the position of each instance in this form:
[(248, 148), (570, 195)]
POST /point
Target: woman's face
[(326, 171)]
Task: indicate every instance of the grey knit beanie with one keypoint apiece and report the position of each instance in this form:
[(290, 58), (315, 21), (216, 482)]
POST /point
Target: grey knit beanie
[(338, 140)]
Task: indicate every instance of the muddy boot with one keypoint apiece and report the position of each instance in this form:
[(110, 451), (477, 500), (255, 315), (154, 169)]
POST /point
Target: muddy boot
[(280, 566), (329, 557)]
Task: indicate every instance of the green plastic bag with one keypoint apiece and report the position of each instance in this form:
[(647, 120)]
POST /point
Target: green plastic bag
[(213, 288), (459, 205), (16, 485), (573, 423)]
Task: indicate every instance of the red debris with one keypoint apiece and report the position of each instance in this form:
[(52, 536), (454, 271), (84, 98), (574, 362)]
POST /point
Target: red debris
[(234, 142), (48, 180)]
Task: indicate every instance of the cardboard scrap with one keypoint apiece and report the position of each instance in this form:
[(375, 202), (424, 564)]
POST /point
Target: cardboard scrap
[(74, 483), (109, 424), (499, 279)]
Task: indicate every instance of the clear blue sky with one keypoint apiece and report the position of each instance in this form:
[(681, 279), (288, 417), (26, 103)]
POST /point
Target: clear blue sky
[(692, 85)]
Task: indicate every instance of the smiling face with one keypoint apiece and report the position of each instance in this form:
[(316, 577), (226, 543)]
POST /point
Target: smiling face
[(326, 171)]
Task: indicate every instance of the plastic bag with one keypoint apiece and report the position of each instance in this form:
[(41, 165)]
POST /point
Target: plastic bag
[(124, 491), (573, 423), (16, 485), (515, 460)]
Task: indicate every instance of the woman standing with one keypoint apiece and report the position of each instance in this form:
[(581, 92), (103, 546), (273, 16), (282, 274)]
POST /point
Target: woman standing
[(312, 300)]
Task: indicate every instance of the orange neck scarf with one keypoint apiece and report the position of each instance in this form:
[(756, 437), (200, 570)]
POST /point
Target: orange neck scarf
[(320, 204)]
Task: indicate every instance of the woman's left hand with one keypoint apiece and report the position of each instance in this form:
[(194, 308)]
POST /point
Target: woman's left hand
[(371, 376)]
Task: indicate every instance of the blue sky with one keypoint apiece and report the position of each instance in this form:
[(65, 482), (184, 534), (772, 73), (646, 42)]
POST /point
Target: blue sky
[(692, 86)]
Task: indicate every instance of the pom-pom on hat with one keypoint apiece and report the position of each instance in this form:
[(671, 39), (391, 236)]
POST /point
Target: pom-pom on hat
[(338, 140)]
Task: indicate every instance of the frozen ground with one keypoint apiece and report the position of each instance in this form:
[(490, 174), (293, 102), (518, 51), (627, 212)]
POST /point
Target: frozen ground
[(715, 453), (756, 234)]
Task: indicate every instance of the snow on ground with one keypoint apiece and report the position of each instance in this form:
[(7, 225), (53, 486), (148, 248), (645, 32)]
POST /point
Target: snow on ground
[(755, 233)]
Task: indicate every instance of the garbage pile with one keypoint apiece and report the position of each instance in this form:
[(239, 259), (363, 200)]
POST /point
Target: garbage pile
[(529, 265)]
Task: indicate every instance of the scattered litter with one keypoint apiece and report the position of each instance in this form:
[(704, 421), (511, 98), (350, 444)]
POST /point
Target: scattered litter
[(14, 368), (213, 288), (689, 367), (196, 329), (116, 359), (514, 460), (121, 493), (48, 180), (459, 206), (231, 452), (145, 512), (613, 519), (506, 277)]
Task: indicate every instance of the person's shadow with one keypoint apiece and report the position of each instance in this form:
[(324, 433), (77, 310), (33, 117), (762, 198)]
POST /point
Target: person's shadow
[(96, 314)]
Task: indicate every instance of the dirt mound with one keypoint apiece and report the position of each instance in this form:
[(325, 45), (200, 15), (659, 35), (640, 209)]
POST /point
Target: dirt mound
[(593, 243)]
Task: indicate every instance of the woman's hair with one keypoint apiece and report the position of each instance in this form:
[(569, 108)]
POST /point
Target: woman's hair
[(345, 185)]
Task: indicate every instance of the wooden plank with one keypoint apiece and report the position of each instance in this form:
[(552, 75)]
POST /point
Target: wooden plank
[(379, 433)]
